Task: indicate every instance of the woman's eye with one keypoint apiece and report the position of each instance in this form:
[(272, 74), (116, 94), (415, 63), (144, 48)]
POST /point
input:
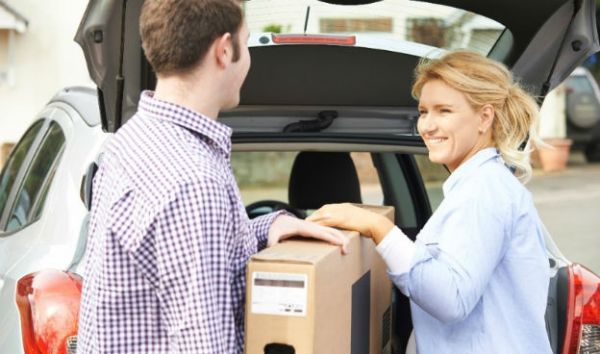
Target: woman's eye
[(445, 110)]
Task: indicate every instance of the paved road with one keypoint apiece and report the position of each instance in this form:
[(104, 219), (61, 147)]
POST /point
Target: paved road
[(569, 204)]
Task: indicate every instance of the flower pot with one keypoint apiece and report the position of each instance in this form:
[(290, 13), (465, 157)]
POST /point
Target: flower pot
[(554, 157)]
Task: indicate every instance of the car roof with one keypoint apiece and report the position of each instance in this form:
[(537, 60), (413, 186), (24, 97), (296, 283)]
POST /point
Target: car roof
[(84, 100)]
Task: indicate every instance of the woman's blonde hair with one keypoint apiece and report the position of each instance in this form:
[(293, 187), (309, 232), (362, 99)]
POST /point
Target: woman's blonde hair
[(484, 81)]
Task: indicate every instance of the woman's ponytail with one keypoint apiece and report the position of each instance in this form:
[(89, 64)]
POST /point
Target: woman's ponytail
[(515, 127)]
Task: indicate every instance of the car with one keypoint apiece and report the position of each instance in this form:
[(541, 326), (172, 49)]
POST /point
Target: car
[(334, 99), (583, 113), (40, 206)]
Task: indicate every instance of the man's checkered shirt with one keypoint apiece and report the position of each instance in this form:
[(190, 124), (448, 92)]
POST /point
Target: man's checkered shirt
[(169, 239)]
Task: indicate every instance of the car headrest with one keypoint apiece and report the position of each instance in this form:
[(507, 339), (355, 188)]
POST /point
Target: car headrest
[(319, 178)]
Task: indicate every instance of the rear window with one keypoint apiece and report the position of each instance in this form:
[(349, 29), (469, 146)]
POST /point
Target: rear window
[(402, 20), (265, 175)]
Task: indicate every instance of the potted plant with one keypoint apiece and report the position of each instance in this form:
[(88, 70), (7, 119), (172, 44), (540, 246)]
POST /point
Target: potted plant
[(554, 154)]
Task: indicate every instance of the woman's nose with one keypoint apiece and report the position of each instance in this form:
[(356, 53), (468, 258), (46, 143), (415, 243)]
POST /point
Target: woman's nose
[(425, 124)]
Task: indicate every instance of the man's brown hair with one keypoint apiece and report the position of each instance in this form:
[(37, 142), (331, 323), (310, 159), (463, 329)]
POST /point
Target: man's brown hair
[(176, 34)]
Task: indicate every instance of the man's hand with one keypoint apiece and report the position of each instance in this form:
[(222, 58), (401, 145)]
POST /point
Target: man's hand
[(286, 226), (349, 217)]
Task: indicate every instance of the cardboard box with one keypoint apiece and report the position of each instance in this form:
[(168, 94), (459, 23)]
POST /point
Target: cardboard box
[(304, 297)]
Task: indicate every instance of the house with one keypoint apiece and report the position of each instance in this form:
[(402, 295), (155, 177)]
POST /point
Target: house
[(37, 57)]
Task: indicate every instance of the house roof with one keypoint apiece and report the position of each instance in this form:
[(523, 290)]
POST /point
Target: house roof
[(11, 19)]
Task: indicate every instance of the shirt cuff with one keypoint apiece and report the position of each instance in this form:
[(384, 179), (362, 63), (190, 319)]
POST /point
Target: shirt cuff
[(261, 226), (397, 250)]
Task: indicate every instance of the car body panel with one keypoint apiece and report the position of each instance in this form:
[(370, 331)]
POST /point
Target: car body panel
[(50, 241), (545, 41)]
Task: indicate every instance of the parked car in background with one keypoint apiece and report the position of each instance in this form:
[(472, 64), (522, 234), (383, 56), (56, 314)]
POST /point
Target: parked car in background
[(40, 206), (583, 113), (337, 103)]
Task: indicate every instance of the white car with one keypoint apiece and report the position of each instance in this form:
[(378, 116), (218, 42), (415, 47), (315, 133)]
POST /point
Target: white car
[(40, 204), (318, 99)]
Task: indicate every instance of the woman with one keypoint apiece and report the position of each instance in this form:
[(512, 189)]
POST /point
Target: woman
[(477, 274)]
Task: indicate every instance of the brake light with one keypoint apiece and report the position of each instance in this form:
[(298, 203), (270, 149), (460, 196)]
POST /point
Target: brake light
[(48, 303), (582, 333), (314, 39)]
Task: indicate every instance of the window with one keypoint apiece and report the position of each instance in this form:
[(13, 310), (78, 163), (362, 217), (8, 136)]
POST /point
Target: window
[(355, 25), (433, 176), (7, 55), (391, 20), (14, 163), (4, 55), (265, 175), (31, 197)]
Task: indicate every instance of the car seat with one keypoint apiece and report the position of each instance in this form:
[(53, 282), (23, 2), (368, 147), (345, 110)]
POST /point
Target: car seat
[(319, 178)]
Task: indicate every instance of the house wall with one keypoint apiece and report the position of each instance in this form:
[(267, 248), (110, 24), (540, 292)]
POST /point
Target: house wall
[(45, 59), (262, 13)]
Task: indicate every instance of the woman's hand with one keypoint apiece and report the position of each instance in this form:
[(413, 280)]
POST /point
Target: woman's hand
[(350, 217)]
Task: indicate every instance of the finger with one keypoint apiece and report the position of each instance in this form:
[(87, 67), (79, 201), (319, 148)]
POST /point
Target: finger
[(329, 222), (324, 233), (322, 213), (326, 209), (344, 239), (341, 237), (327, 234), (315, 216)]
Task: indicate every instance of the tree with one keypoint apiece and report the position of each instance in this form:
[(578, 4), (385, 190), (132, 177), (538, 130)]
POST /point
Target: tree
[(273, 28)]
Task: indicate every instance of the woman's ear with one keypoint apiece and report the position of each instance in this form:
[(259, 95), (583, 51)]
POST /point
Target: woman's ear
[(487, 116)]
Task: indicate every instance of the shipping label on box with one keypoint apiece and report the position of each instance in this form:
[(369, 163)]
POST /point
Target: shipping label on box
[(279, 294)]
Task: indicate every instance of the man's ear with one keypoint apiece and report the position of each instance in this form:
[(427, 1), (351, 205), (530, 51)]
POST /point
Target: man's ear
[(223, 50), (487, 115)]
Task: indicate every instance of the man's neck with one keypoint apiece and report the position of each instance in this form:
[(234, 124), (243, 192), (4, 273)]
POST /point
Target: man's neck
[(191, 92)]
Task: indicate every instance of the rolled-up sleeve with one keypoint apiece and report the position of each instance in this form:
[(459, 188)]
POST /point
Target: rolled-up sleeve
[(397, 250), (260, 227), (447, 278)]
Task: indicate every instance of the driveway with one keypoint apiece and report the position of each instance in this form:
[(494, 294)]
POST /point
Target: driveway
[(569, 204)]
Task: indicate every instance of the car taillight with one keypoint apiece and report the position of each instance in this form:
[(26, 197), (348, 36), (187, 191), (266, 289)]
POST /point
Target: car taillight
[(582, 333), (48, 303), (314, 39)]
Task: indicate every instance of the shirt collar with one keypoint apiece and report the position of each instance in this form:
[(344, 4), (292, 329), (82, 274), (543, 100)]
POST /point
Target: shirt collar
[(217, 132), (469, 166)]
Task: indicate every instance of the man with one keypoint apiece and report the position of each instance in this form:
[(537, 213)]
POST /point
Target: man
[(169, 238)]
